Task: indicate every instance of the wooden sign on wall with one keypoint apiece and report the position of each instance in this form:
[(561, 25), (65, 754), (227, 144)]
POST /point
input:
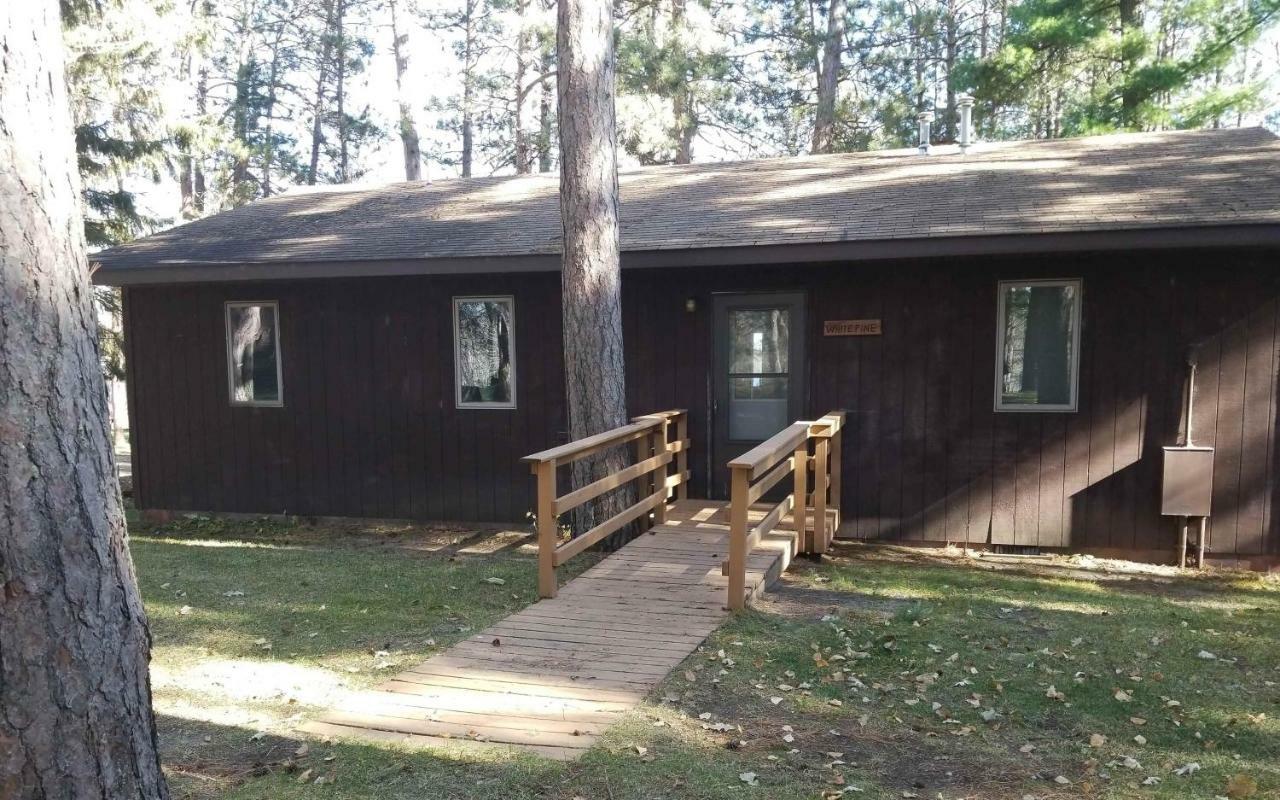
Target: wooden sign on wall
[(851, 327)]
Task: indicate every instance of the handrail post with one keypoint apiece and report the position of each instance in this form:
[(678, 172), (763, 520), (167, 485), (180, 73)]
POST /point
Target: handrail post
[(740, 484), (659, 482), (682, 457), (644, 484), (820, 448), (547, 528), (799, 499), (836, 446)]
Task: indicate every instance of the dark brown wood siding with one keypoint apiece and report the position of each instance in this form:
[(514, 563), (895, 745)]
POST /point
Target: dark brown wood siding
[(928, 459), (369, 426)]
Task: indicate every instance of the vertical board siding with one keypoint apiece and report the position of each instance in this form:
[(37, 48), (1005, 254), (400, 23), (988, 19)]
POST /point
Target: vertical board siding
[(370, 425)]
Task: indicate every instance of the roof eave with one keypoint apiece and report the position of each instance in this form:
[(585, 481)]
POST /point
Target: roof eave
[(1198, 236)]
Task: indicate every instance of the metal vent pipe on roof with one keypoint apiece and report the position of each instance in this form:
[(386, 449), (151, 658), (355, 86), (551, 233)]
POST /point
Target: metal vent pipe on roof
[(965, 102), (924, 118)]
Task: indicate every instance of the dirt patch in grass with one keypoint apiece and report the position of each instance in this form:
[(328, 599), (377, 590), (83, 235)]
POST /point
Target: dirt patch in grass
[(206, 761), (1154, 579), (792, 599), (845, 750)]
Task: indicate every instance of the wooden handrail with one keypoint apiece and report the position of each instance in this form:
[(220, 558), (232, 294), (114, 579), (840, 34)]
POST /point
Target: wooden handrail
[(766, 465), (568, 453), (772, 450), (654, 451)]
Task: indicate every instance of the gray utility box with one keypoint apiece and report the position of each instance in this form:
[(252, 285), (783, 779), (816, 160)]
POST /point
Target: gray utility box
[(1187, 488)]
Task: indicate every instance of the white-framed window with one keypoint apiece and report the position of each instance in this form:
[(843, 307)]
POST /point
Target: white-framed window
[(1038, 345), (253, 353), (484, 351)]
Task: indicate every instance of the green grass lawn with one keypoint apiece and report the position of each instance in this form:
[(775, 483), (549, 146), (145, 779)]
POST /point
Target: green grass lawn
[(881, 673)]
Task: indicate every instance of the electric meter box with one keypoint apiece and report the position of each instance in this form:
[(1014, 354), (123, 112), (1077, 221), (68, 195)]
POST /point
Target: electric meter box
[(1187, 488)]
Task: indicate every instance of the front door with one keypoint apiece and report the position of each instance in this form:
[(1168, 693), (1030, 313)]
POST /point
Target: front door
[(758, 374)]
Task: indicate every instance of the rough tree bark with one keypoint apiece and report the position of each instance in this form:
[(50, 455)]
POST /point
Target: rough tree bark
[(824, 122), (408, 129), (591, 280), (75, 698)]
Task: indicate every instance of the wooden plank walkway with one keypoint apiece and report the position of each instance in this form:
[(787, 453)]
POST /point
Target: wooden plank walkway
[(551, 678)]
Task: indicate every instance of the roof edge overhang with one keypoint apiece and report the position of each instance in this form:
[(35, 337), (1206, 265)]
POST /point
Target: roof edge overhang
[(1186, 237)]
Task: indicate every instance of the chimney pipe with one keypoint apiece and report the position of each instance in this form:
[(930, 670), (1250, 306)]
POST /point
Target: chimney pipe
[(965, 101), (924, 118)]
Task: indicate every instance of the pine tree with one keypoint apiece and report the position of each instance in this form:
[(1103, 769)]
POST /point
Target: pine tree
[(407, 126), (115, 64), (76, 693), (1070, 67), (591, 276), (475, 28), (673, 68)]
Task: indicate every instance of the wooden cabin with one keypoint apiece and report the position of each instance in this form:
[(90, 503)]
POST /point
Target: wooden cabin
[(1008, 332)]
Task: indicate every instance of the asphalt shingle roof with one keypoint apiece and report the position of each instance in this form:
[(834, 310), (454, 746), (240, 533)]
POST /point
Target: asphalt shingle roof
[(1116, 182)]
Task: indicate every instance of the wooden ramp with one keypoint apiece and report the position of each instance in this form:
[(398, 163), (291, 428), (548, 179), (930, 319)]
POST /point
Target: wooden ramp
[(551, 678)]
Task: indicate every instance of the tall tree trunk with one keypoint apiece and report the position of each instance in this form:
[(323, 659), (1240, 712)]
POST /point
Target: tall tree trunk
[(76, 719), (317, 107), (186, 174), (240, 130), (1130, 25), (520, 137), (408, 129), (984, 30), (468, 86), (919, 54), (246, 77), (340, 87), (202, 109), (951, 53), (1003, 27), (824, 123), (686, 125), (269, 143), (196, 74), (591, 280), (544, 112)]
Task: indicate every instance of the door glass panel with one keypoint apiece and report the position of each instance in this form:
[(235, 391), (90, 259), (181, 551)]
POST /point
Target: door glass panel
[(759, 340), (757, 407)]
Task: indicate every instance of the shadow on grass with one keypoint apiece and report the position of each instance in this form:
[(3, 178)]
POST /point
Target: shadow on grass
[(318, 604), (206, 761), (635, 761)]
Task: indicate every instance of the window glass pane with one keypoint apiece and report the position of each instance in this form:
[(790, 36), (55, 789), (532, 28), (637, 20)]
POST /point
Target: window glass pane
[(1038, 362), (758, 340), (254, 352), (757, 407), (484, 351)]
